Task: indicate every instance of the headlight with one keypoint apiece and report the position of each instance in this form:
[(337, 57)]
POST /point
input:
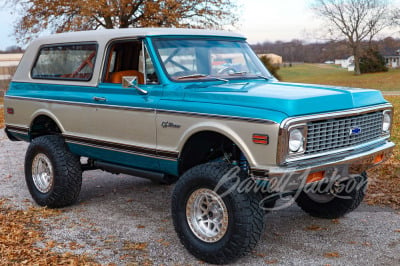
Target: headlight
[(387, 121), (296, 140)]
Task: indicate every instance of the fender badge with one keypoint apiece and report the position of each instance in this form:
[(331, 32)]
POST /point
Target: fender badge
[(166, 124)]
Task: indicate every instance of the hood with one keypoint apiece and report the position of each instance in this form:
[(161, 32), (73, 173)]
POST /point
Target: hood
[(290, 98)]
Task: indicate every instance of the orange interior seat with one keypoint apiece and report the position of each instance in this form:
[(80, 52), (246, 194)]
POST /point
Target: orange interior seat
[(116, 77)]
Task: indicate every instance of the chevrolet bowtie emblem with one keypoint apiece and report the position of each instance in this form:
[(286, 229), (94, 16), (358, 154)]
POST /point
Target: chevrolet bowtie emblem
[(355, 131)]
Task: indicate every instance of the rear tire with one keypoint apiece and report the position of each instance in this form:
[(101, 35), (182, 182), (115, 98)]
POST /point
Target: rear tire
[(215, 229), (52, 173), (331, 206)]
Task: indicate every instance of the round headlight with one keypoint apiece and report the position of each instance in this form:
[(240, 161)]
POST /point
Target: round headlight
[(295, 140), (387, 121)]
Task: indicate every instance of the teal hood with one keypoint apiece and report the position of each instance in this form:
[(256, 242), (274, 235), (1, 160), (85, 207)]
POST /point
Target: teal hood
[(289, 98)]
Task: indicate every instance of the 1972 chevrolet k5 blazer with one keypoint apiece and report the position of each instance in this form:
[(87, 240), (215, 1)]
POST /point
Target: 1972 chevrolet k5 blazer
[(199, 108)]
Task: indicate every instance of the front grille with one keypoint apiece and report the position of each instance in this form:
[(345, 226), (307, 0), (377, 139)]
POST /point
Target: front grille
[(327, 135)]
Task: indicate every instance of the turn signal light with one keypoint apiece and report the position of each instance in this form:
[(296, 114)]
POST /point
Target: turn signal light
[(378, 158), (314, 177)]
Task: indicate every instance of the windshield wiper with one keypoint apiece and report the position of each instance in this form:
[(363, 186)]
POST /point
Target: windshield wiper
[(263, 77), (239, 73), (194, 76), (244, 72)]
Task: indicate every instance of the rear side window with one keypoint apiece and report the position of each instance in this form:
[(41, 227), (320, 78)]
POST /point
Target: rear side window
[(66, 62)]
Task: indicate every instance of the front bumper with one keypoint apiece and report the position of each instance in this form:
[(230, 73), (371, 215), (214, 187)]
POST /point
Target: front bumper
[(353, 162)]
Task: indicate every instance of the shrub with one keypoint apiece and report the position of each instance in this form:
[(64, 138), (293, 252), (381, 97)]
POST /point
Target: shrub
[(372, 61), (272, 68)]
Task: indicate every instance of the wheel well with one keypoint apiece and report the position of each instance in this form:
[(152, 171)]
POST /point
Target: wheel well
[(43, 125), (207, 146)]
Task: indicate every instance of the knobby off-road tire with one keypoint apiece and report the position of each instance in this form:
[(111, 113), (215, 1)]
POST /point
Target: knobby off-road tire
[(215, 229), (52, 173), (335, 206)]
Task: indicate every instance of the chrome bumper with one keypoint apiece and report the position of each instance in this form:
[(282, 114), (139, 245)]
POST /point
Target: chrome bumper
[(343, 165)]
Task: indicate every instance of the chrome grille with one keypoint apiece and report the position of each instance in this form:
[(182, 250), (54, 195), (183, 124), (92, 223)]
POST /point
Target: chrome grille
[(327, 135)]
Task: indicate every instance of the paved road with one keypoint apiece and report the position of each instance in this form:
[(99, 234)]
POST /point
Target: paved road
[(114, 211)]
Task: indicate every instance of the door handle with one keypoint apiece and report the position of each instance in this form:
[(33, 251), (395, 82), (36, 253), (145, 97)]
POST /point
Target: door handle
[(99, 99)]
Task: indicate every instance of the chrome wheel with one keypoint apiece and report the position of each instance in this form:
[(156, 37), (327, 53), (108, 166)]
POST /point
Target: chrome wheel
[(207, 215), (42, 173)]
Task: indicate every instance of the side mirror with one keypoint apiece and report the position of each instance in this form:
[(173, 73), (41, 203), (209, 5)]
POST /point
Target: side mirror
[(131, 82)]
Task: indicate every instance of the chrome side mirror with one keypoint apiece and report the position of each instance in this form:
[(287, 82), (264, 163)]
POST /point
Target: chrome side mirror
[(131, 82)]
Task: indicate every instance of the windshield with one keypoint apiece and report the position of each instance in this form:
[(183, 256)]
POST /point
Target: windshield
[(189, 59)]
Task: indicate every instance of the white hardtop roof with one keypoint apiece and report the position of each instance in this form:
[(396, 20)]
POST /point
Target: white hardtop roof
[(104, 35)]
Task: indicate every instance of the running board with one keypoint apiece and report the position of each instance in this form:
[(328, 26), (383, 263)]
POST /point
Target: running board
[(119, 169)]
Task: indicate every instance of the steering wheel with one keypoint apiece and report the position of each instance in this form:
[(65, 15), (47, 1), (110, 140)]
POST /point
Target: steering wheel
[(227, 70)]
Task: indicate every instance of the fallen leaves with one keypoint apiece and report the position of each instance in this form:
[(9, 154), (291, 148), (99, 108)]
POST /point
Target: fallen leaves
[(20, 232), (163, 242), (331, 255), (142, 246), (138, 253), (315, 228), (335, 221), (271, 261)]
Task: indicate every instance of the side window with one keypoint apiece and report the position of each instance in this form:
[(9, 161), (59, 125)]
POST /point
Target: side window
[(67, 62), (151, 76), (129, 58)]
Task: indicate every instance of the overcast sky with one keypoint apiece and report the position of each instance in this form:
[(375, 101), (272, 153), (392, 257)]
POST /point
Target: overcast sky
[(261, 20)]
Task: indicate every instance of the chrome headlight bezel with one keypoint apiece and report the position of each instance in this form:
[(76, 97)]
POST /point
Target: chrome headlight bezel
[(296, 142), (387, 122)]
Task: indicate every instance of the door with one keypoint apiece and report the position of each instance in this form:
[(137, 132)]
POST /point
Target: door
[(121, 125)]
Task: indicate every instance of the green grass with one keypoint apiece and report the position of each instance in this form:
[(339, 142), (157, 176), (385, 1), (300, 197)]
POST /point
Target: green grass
[(334, 75)]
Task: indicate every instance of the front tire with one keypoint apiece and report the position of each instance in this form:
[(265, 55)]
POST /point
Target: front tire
[(335, 205), (213, 228), (52, 173)]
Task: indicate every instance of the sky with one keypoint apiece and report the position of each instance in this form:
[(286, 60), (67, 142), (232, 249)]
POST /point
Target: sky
[(260, 20), (271, 20)]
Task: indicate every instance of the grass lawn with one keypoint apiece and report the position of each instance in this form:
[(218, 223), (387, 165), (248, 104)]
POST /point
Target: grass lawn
[(334, 75)]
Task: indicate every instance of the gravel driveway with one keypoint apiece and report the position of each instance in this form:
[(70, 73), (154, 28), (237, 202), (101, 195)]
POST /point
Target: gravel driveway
[(122, 219)]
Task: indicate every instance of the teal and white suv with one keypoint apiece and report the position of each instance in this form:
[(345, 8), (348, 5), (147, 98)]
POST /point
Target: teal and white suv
[(196, 107)]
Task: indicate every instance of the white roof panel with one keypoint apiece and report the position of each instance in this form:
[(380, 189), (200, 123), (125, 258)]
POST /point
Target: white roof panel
[(107, 34)]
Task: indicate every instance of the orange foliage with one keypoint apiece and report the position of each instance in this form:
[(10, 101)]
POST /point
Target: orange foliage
[(66, 15)]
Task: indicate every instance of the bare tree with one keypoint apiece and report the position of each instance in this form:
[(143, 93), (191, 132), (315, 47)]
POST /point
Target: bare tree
[(356, 20), (37, 16)]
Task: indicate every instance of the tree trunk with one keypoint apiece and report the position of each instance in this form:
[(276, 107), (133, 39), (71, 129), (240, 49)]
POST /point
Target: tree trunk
[(356, 53), (109, 24)]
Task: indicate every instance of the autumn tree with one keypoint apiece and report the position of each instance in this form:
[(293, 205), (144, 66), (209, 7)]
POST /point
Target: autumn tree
[(355, 20), (76, 15)]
